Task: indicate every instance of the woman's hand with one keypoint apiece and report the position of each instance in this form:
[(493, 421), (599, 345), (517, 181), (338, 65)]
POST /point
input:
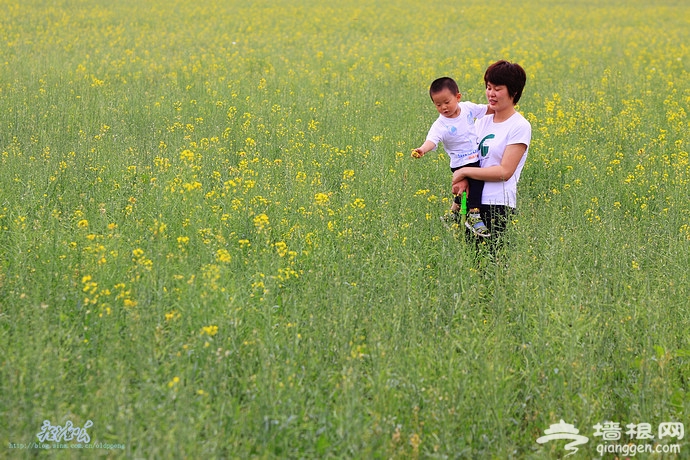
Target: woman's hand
[(459, 175), (460, 185)]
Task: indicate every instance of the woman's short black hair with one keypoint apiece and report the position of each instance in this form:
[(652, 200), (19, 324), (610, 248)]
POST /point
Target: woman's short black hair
[(506, 73)]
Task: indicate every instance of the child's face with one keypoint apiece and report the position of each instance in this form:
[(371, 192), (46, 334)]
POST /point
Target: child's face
[(447, 103)]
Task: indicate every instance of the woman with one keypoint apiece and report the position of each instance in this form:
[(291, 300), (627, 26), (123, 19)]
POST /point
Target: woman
[(504, 139)]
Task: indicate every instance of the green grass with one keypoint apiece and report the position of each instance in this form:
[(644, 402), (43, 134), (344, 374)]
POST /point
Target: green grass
[(214, 243)]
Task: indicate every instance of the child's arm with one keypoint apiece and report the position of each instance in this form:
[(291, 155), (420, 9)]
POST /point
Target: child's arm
[(419, 152), (479, 110), (486, 110)]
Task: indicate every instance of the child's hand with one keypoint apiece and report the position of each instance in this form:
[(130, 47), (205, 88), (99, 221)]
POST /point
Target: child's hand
[(417, 153)]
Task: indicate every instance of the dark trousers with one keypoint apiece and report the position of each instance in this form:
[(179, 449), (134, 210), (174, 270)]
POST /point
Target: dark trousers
[(474, 196), (496, 218)]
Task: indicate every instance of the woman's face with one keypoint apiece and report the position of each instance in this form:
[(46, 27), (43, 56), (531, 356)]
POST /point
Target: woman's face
[(498, 97)]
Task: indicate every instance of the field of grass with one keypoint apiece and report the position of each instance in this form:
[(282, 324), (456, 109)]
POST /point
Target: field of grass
[(214, 242)]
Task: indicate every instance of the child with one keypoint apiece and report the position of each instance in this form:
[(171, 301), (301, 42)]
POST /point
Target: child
[(455, 129)]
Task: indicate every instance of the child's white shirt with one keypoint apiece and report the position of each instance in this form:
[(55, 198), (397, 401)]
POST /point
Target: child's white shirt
[(458, 135)]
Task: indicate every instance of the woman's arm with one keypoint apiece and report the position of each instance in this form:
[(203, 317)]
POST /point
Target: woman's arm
[(499, 173)]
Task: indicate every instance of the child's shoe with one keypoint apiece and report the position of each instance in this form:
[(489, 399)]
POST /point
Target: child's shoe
[(475, 223)]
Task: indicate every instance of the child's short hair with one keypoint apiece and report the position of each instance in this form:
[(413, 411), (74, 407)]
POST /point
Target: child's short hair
[(506, 73), (442, 83)]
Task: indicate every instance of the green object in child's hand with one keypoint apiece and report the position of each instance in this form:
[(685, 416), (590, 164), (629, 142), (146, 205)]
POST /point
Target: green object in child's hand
[(463, 204)]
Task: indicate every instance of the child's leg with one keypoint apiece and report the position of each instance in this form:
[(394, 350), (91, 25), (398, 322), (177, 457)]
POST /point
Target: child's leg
[(474, 198), (455, 207), (474, 203)]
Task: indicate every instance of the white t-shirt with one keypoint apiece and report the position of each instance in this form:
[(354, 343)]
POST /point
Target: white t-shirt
[(458, 134), (493, 140)]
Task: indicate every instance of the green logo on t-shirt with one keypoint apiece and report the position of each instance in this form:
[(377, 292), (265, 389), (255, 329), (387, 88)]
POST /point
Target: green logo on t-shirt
[(484, 149)]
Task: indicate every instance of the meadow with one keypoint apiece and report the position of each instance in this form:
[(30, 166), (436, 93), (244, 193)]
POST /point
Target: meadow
[(214, 242)]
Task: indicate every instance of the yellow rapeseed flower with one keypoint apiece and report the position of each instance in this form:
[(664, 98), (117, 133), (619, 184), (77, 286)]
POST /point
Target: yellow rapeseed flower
[(321, 199), (223, 256), (261, 222), (209, 330)]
